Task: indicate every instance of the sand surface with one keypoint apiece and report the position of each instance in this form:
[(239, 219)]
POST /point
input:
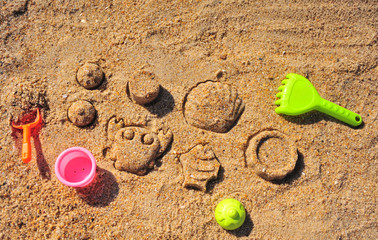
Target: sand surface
[(248, 45)]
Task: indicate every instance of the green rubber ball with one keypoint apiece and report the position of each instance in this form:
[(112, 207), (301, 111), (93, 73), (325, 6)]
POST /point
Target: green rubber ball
[(230, 214)]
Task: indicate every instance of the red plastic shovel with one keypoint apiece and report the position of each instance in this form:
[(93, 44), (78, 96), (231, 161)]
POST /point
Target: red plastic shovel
[(26, 144)]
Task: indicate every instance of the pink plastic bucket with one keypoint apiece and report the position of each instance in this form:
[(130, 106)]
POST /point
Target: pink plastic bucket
[(75, 167)]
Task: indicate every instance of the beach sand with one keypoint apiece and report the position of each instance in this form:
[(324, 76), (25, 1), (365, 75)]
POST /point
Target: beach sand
[(248, 46)]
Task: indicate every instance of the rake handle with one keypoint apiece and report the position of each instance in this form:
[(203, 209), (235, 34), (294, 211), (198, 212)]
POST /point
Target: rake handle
[(339, 113)]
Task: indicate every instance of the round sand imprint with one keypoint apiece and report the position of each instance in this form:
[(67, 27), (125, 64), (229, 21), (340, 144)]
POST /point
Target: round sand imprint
[(81, 113), (272, 154), (144, 87), (213, 106), (90, 76)]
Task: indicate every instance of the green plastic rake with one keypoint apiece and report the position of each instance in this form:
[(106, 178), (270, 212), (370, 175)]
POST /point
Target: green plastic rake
[(297, 96)]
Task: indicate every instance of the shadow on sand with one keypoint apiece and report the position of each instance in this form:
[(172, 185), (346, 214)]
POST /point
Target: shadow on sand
[(102, 191)]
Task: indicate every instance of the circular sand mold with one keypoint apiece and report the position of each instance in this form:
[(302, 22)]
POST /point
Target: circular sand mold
[(272, 155), (144, 87), (81, 113), (90, 76), (213, 106)]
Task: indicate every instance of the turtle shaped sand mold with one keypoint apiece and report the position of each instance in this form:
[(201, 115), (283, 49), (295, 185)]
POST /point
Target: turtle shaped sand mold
[(135, 148), (213, 106)]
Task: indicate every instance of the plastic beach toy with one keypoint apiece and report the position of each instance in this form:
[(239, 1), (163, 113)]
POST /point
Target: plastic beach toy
[(297, 96), (26, 144), (75, 167), (230, 214)]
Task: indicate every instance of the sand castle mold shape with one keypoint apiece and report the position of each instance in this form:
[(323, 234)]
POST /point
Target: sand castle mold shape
[(143, 88)]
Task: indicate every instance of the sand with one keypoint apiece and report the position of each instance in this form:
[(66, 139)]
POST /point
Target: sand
[(249, 45)]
